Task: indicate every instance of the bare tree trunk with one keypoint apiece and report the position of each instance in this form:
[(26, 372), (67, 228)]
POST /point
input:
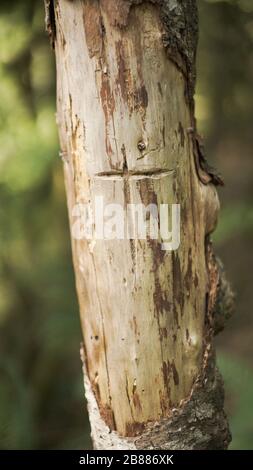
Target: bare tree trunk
[(125, 85)]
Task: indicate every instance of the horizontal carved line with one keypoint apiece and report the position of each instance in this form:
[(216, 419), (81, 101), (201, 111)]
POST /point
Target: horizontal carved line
[(152, 173)]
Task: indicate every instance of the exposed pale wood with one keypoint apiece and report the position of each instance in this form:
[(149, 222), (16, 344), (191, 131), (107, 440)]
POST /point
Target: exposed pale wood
[(125, 128)]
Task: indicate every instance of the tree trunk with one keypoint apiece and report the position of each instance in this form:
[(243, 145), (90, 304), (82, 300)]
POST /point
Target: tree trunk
[(125, 85)]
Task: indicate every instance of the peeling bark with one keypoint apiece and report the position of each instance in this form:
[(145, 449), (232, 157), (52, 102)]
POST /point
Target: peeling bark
[(199, 423), (125, 85), (50, 20)]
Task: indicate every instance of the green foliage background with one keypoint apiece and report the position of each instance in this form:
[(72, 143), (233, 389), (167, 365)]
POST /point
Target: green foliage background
[(41, 393)]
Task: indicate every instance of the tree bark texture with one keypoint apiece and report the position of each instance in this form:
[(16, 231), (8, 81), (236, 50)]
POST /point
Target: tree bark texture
[(125, 86)]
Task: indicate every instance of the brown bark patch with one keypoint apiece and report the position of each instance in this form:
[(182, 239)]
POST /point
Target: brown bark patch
[(108, 416), (188, 275), (181, 134), (108, 104), (93, 27), (175, 374), (124, 79), (161, 301), (134, 429), (136, 401), (136, 98), (117, 11)]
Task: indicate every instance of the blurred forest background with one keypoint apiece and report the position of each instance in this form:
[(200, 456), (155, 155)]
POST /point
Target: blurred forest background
[(41, 393)]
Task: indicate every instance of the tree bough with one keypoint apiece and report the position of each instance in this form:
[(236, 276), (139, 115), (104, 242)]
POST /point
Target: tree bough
[(125, 87)]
